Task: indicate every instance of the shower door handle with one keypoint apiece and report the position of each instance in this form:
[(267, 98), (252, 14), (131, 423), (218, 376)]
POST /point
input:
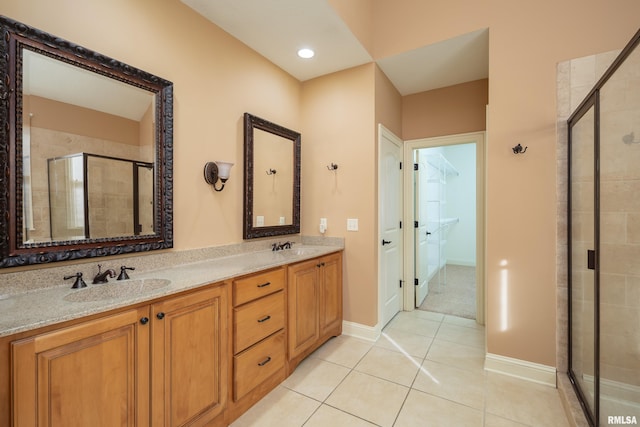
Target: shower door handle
[(591, 259)]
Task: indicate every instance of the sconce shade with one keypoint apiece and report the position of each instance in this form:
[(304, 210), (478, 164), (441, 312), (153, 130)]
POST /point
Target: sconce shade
[(224, 169)]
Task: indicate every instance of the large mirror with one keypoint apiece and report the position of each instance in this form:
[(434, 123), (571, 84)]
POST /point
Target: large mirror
[(86, 150), (271, 179)]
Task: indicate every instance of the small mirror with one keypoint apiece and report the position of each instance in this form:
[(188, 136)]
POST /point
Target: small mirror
[(271, 179), (90, 148)]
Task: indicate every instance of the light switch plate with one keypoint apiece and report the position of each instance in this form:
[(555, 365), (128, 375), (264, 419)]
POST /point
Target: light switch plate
[(259, 221), (352, 224)]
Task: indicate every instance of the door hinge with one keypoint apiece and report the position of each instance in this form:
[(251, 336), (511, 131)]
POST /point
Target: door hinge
[(415, 224), (416, 281), (400, 224), (416, 166), (400, 165), (401, 283)]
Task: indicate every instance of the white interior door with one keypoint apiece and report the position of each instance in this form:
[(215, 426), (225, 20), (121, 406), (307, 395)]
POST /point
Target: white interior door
[(390, 217), (421, 264)]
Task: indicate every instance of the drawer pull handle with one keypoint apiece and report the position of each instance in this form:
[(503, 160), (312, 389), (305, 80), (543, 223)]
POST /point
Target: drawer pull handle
[(265, 361), (264, 319), (264, 284)]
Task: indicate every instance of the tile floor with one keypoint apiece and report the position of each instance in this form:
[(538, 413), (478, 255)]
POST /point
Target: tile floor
[(427, 369)]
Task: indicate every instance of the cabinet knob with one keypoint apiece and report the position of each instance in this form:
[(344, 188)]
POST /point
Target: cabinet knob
[(265, 361), (160, 315), (144, 320)]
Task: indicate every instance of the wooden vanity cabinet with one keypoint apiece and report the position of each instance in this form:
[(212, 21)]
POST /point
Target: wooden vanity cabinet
[(314, 305), (189, 356), (93, 373), (162, 364), (259, 340)]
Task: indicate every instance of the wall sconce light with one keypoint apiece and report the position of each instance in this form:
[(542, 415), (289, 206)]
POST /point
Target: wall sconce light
[(332, 167), (217, 170), (271, 171)]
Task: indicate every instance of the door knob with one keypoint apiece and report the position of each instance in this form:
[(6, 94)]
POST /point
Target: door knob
[(385, 242)]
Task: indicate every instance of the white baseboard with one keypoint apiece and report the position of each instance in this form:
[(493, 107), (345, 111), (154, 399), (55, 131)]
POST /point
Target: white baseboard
[(535, 372), (369, 333), (461, 262)]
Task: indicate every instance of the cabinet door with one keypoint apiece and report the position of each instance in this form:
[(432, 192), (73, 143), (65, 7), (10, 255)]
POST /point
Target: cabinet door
[(331, 294), (93, 374), (303, 306), (189, 358)]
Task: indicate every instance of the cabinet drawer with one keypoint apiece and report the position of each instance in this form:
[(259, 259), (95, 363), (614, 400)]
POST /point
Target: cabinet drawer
[(255, 365), (256, 286), (257, 320)]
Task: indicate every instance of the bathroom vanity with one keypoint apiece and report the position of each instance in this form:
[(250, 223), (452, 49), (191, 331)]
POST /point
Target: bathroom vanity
[(198, 345)]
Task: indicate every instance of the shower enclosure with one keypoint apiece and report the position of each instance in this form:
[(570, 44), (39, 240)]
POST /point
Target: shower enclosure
[(604, 245), (92, 196)]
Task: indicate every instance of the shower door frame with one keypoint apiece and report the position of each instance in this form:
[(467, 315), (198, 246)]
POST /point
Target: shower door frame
[(591, 100)]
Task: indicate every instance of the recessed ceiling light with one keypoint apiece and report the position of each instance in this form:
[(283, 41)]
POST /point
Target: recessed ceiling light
[(306, 53)]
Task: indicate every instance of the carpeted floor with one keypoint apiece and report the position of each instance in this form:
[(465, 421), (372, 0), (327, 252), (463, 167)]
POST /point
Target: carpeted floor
[(457, 296)]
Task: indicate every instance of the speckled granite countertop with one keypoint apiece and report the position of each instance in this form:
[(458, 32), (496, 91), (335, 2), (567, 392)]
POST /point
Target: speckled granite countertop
[(24, 311)]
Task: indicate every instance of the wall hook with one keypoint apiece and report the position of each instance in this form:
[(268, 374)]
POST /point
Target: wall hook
[(332, 167), (519, 150), (271, 171), (630, 139)]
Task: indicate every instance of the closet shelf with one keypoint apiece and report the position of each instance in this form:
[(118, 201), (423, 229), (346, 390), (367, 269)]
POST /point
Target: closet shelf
[(439, 162)]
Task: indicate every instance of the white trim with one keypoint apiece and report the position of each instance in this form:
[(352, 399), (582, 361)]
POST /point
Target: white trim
[(535, 372), (479, 138), (356, 330)]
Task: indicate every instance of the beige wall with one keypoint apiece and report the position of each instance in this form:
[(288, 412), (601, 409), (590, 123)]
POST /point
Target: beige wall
[(59, 116), (446, 111), (338, 127)]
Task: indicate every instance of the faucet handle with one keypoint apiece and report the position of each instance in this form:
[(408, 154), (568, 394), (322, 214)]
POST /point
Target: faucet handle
[(79, 283), (123, 272)]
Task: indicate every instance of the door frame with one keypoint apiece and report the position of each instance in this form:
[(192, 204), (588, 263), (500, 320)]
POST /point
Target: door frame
[(479, 138), (383, 132)]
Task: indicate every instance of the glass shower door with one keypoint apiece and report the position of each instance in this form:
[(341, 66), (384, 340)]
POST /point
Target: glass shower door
[(582, 279), (619, 225)]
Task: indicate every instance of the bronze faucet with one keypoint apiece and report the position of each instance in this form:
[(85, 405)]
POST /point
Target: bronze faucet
[(101, 277)]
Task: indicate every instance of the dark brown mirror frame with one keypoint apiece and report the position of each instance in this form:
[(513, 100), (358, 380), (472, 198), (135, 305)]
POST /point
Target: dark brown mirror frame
[(252, 122), (13, 252)]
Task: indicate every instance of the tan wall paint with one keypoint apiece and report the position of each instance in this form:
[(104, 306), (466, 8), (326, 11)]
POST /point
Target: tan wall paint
[(526, 41), (216, 79), (446, 111), (60, 116), (338, 126), (388, 104)]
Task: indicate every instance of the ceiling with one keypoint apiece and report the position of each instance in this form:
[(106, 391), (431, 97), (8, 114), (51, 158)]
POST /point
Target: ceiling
[(278, 28)]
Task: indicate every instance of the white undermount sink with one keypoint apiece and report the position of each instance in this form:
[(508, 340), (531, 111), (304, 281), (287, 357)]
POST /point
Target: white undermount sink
[(117, 289)]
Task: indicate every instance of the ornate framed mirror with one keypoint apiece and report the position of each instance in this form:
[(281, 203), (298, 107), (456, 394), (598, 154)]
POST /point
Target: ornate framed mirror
[(271, 179), (86, 152)]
